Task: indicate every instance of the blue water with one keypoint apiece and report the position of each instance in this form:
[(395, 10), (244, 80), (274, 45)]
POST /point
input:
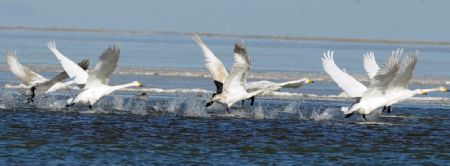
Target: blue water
[(173, 127), (179, 51)]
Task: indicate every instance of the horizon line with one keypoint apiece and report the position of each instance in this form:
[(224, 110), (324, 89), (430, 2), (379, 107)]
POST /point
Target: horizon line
[(277, 37)]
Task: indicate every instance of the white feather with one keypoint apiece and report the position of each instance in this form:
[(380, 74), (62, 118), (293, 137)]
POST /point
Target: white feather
[(72, 69), (346, 82)]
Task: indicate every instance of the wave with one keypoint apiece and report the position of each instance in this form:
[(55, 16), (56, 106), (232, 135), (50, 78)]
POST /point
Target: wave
[(191, 103)]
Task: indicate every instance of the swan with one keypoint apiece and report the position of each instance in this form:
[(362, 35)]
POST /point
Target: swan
[(27, 77), (54, 84), (96, 82), (398, 89), (233, 88), (387, 87), (220, 74), (35, 83)]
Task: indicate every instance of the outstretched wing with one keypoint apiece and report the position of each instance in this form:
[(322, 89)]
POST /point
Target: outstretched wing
[(388, 72), (25, 75), (405, 72), (235, 81), (213, 64), (104, 69), (58, 78), (345, 81), (370, 64), (72, 69)]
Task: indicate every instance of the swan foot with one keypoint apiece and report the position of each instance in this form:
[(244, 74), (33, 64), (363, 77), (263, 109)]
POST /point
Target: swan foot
[(348, 115), (30, 100), (209, 103), (68, 105)]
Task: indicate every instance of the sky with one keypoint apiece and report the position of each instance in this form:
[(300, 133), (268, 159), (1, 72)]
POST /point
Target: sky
[(372, 19)]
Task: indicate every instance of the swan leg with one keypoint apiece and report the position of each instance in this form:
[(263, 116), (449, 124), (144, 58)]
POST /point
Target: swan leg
[(33, 94), (348, 115), (90, 106), (364, 116), (209, 103), (389, 109), (242, 103), (252, 101), (214, 94), (228, 109)]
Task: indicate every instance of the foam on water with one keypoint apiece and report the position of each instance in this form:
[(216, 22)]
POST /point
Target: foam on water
[(190, 103)]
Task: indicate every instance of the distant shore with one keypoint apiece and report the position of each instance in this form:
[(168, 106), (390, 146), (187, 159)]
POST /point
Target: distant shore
[(291, 37)]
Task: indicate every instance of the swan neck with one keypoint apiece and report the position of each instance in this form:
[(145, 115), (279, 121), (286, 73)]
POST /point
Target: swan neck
[(117, 87), (430, 90)]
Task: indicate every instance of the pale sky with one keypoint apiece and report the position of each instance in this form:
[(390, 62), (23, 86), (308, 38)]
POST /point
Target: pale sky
[(375, 19)]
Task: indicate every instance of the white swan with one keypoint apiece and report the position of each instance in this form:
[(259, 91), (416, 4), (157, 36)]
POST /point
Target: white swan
[(233, 88), (35, 83), (96, 83), (398, 89), (26, 76), (54, 84), (387, 86), (220, 74)]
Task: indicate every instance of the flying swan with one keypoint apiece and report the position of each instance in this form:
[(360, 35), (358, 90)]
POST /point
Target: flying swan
[(404, 75), (35, 83), (96, 82), (388, 85), (220, 74), (233, 87)]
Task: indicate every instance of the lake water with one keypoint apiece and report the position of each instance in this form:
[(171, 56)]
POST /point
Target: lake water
[(171, 125)]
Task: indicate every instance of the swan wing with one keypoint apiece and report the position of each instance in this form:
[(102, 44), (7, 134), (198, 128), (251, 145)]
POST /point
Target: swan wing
[(345, 81), (104, 69), (241, 55), (405, 72), (370, 64), (213, 64), (60, 77), (25, 75), (72, 69), (387, 72), (235, 81)]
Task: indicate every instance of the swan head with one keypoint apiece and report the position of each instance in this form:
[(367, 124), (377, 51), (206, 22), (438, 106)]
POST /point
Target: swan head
[(443, 89), (309, 81), (138, 84), (423, 92)]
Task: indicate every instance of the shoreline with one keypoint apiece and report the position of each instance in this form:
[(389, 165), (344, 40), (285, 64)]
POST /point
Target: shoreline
[(287, 38)]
